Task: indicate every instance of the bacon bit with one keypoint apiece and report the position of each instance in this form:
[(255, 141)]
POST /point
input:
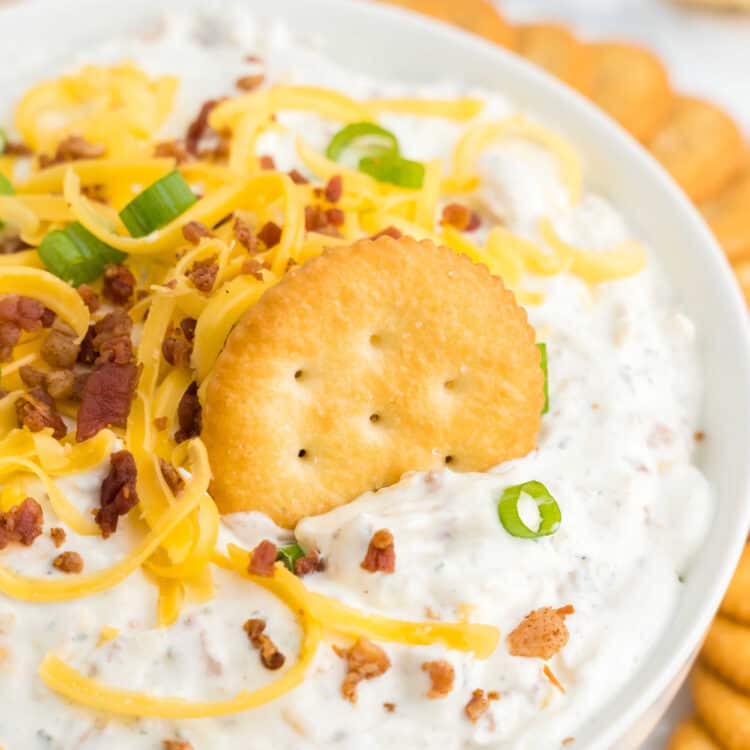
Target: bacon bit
[(16, 148), (390, 707), (549, 674), (250, 83), (174, 149), (172, 477), (30, 376), (477, 706), (392, 232), (568, 740), (541, 634), (111, 339), (161, 423), (90, 297), (334, 189), (381, 553), (267, 162), (11, 244), (21, 314), (270, 234), (199, 127), (117, 495), (72, 148), (176, 351), (364, 661), (323, 221), (188, 328), (270, 655), (262, 560), (68, 562), (699, 436), (460, 217), (60, 384), (60, 348), (10, 333), (493, 695), (119, 284), (335, 217), (22, 523), (298, 178), (58, 536), (194, 231), (189, 415), (245, 235), (106, 397), (203, 274), (312, 562), (36, 410), (442, 676), (253, 267), (176, 745)]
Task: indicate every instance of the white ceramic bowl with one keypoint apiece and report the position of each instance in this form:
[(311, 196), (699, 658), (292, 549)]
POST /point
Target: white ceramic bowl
[(37, 33)]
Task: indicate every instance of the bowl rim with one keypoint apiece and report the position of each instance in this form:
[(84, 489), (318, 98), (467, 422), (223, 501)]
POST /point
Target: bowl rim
[(521, 78)]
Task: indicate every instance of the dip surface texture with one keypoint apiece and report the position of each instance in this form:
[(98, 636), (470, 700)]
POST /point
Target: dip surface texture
[(615, 450)]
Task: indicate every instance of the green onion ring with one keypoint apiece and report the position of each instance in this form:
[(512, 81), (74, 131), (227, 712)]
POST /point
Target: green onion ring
[(543, 352), (394, 170), (549, 510), (360, 139), (289, 555)]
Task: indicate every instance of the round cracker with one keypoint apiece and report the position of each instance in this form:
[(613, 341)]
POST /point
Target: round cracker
[(555, 48), (367, 362), (728, 215), (736, 604), (724, 711), (476, 16), (700, 146), (690, 735), (727, 651), (631, 85)]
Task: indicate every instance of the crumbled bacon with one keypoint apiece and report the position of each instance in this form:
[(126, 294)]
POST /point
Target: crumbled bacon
[(324, 221), (176, 745), (10, 333), (30, 376), (194, 231), (161, 423), (477, 706), (390, 707), (267, 162), (298, 178), (270, 234), (460, 217), (203, 274), (253, 267), (110, 341), (250, 83), (245, 235), (176, 350), (364, 661), (381, 553), (199, 127), (60, 348), (106, 398), (68, 562), (27, 313), (270, 655), (541, 634), (58, 536), (17, 148), (11, 244), (118, 495), (174, 149), (119, 284), (172, 477), (72, 148), (189, 415), (187, 325), (312, 562), (334, 189), (262, 559), (90, 297), (442, 675), (22, 523), (36, 410)]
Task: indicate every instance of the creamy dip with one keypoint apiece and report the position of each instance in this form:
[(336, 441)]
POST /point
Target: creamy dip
[(615, 450)]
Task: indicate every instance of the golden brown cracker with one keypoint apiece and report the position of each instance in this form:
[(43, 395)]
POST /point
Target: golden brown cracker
[(690, 735), (367, 362), (727, 651), (631, 85), (555, 48), (700, 146), (724, 711), (736, 604), (728, 215), (477, 16)]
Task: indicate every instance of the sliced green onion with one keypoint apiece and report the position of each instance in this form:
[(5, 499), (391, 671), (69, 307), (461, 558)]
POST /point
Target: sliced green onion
[(394, 170), (510, 518), (360, 139), (75, 255), (157, 205), (543, 353), (5, 187), (289, 555)]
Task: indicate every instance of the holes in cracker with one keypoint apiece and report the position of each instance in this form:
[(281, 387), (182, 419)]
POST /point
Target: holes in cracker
[(376, 340), (298, 374), (449, 460), (374, 418), (450, 385), (302, 453)]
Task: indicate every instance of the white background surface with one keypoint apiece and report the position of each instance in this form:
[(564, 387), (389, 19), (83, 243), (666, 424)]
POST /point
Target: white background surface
[(708, 54)]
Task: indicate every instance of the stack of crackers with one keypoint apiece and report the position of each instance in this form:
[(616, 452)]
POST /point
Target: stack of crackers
[(705, 151)]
